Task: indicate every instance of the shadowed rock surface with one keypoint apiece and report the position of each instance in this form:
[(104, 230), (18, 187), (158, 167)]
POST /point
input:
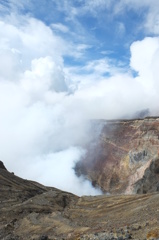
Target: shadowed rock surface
[(2, 165), (29, 210), (125, 158)]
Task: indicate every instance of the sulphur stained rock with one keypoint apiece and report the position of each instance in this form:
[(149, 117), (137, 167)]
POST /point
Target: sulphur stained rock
[(123, 152)]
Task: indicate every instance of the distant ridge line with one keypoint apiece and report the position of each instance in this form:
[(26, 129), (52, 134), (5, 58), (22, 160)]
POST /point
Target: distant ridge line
[(125, 119)]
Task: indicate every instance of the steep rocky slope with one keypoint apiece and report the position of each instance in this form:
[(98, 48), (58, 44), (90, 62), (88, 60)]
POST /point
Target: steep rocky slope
[(125, 159), (29, 210)]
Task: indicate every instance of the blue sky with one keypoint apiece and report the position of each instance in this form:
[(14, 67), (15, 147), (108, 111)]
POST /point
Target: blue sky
[(63, 63), (98, 27), (104, 28)]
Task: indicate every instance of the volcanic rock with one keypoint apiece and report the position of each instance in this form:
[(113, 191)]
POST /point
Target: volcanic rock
[(2, 165), (29, 210), (125, 159)]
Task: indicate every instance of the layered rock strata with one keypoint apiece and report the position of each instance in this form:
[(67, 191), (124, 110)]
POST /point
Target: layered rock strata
[(125, 158)]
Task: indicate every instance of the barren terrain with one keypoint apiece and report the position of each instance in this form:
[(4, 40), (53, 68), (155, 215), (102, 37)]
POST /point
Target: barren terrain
[(29, 210)]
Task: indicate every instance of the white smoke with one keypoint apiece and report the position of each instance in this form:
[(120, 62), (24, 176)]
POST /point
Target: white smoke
[(44, 127)]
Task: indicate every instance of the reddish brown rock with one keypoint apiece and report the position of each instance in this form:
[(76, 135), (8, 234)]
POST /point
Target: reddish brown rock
[(125, 150)]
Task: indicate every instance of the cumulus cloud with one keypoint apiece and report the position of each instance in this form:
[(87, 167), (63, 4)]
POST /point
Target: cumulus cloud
[(43, 130), (143, 60), (110, 92), (45, 106)]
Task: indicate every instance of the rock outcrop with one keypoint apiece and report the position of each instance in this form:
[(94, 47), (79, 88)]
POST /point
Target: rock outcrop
[(29, 210), (125, 157), (2, 165), (150, 180)]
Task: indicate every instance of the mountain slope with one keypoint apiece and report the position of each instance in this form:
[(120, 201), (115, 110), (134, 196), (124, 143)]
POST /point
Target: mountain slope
[(29, 210)]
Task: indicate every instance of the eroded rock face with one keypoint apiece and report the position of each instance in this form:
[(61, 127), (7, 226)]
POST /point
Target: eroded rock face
[(150, 180), (124, 152)]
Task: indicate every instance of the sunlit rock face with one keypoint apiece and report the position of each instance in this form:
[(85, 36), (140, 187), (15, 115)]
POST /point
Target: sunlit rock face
[(125, 157)]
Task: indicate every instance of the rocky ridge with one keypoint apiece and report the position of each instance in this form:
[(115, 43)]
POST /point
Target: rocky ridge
[(125, 158), (32, 211)]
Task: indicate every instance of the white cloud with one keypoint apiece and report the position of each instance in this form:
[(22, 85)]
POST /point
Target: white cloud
[(45, 75), (61, 175), (31, 39), (43, 127), (39, 120), (119, 94), (152, 23), (143, 60), (60, 27), (92, 72), (150, 9), (94, 5), (100, 66)]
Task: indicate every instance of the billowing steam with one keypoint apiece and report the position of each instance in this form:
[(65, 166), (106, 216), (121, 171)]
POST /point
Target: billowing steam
[(45, 106)]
